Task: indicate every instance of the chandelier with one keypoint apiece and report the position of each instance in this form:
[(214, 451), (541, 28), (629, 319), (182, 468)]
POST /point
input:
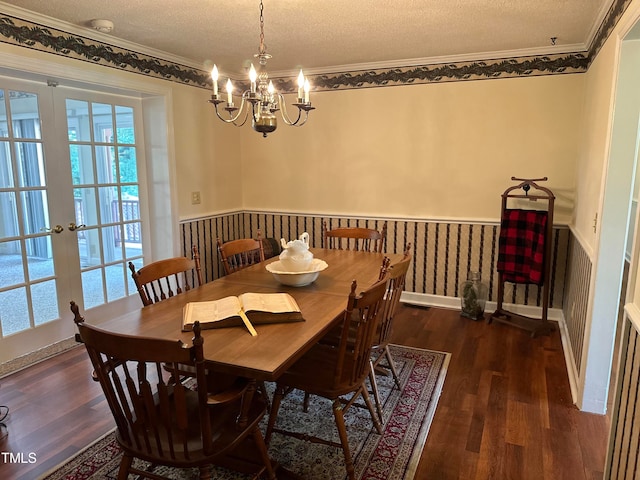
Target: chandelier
[(261, 100)]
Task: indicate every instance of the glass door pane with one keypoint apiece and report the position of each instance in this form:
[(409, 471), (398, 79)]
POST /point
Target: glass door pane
[(103, 158), (28, 284)]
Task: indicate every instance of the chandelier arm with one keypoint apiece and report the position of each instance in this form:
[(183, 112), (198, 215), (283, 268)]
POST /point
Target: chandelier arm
[(285, 114), (299, 123), (228, 120), (232, 119), (246, 117)]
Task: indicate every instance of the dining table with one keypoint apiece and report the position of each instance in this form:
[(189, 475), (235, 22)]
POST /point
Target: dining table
[(276, 346)]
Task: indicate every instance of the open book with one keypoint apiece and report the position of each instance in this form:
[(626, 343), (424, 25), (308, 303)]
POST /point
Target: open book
[(247, 309)]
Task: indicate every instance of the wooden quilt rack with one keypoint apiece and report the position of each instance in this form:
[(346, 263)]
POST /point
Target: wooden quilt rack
[(532, 192)]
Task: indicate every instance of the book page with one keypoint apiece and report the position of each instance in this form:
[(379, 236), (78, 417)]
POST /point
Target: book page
[(269, 302), (206, 312)]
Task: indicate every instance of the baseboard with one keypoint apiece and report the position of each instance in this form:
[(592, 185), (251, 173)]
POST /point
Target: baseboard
[(425, 299), (572, 370), (29, 359)]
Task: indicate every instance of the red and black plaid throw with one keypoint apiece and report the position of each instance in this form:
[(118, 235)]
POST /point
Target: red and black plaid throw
[(521, 245)]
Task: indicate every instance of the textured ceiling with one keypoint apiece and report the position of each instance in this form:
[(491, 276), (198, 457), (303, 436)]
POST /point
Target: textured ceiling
[(324, 36)]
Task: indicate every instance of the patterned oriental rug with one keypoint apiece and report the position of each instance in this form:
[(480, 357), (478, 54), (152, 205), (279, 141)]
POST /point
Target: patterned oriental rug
[(391, 456)]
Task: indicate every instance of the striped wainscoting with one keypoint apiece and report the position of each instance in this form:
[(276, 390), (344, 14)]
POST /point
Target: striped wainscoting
[(577, 283), (204, 232), (444, 252), (623, 457)]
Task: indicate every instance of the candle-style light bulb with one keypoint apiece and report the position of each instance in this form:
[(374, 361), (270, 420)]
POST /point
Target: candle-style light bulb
[(214, 77), (229, 92), (307, 88), (271, 89), (253, 76), (300, 84)]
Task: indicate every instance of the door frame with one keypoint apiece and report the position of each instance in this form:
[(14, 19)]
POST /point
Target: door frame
[(156, 99), (619, 173)]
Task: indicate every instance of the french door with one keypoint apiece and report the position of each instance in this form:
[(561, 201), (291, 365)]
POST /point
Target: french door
[(71, 208)]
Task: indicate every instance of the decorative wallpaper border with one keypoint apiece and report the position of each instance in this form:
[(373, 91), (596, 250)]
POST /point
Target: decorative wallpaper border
[(454, 72), (40, 37), (617, 9)]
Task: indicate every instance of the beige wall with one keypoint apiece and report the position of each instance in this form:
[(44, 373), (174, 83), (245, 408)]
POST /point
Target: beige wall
[(421, 151), (444, 150), (207, 156), (593, 157)]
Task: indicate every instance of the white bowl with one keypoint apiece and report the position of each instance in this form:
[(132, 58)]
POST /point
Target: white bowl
[(297, 279)]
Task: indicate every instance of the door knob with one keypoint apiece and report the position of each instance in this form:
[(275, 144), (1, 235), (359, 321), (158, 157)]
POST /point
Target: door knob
[(56, 229), (73, 227)]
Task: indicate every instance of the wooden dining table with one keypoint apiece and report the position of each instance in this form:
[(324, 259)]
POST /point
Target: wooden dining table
[(276, 346)]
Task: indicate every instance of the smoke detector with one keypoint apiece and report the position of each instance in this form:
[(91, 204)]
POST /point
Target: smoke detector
[(103, 26)]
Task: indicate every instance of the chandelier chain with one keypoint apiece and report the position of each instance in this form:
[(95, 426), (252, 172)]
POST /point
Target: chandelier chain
[(263, 47)]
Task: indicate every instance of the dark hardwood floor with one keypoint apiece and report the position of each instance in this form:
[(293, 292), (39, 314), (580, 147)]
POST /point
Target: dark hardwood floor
[(505, 411)]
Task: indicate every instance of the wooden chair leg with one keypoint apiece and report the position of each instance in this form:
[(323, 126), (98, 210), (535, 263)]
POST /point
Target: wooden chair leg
[(205, 472), (305, 402), (367, 401), (392, 366), (262, 448), (344, 441), (273, 414), (374, 389), (125, 465)]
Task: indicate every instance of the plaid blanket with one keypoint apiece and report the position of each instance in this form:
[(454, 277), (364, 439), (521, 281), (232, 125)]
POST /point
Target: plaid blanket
[(521, 245)]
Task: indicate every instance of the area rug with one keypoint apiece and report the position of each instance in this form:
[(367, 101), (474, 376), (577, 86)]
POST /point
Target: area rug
[(394, 455)]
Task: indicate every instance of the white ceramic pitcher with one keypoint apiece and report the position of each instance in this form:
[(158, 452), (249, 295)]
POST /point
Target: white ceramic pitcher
[(296, 256)]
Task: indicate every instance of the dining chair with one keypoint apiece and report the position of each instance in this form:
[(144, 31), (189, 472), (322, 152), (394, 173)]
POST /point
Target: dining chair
[(165, 423), (395, 275), (336, 372), (242, 253), (165, 278), (355, 238)]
